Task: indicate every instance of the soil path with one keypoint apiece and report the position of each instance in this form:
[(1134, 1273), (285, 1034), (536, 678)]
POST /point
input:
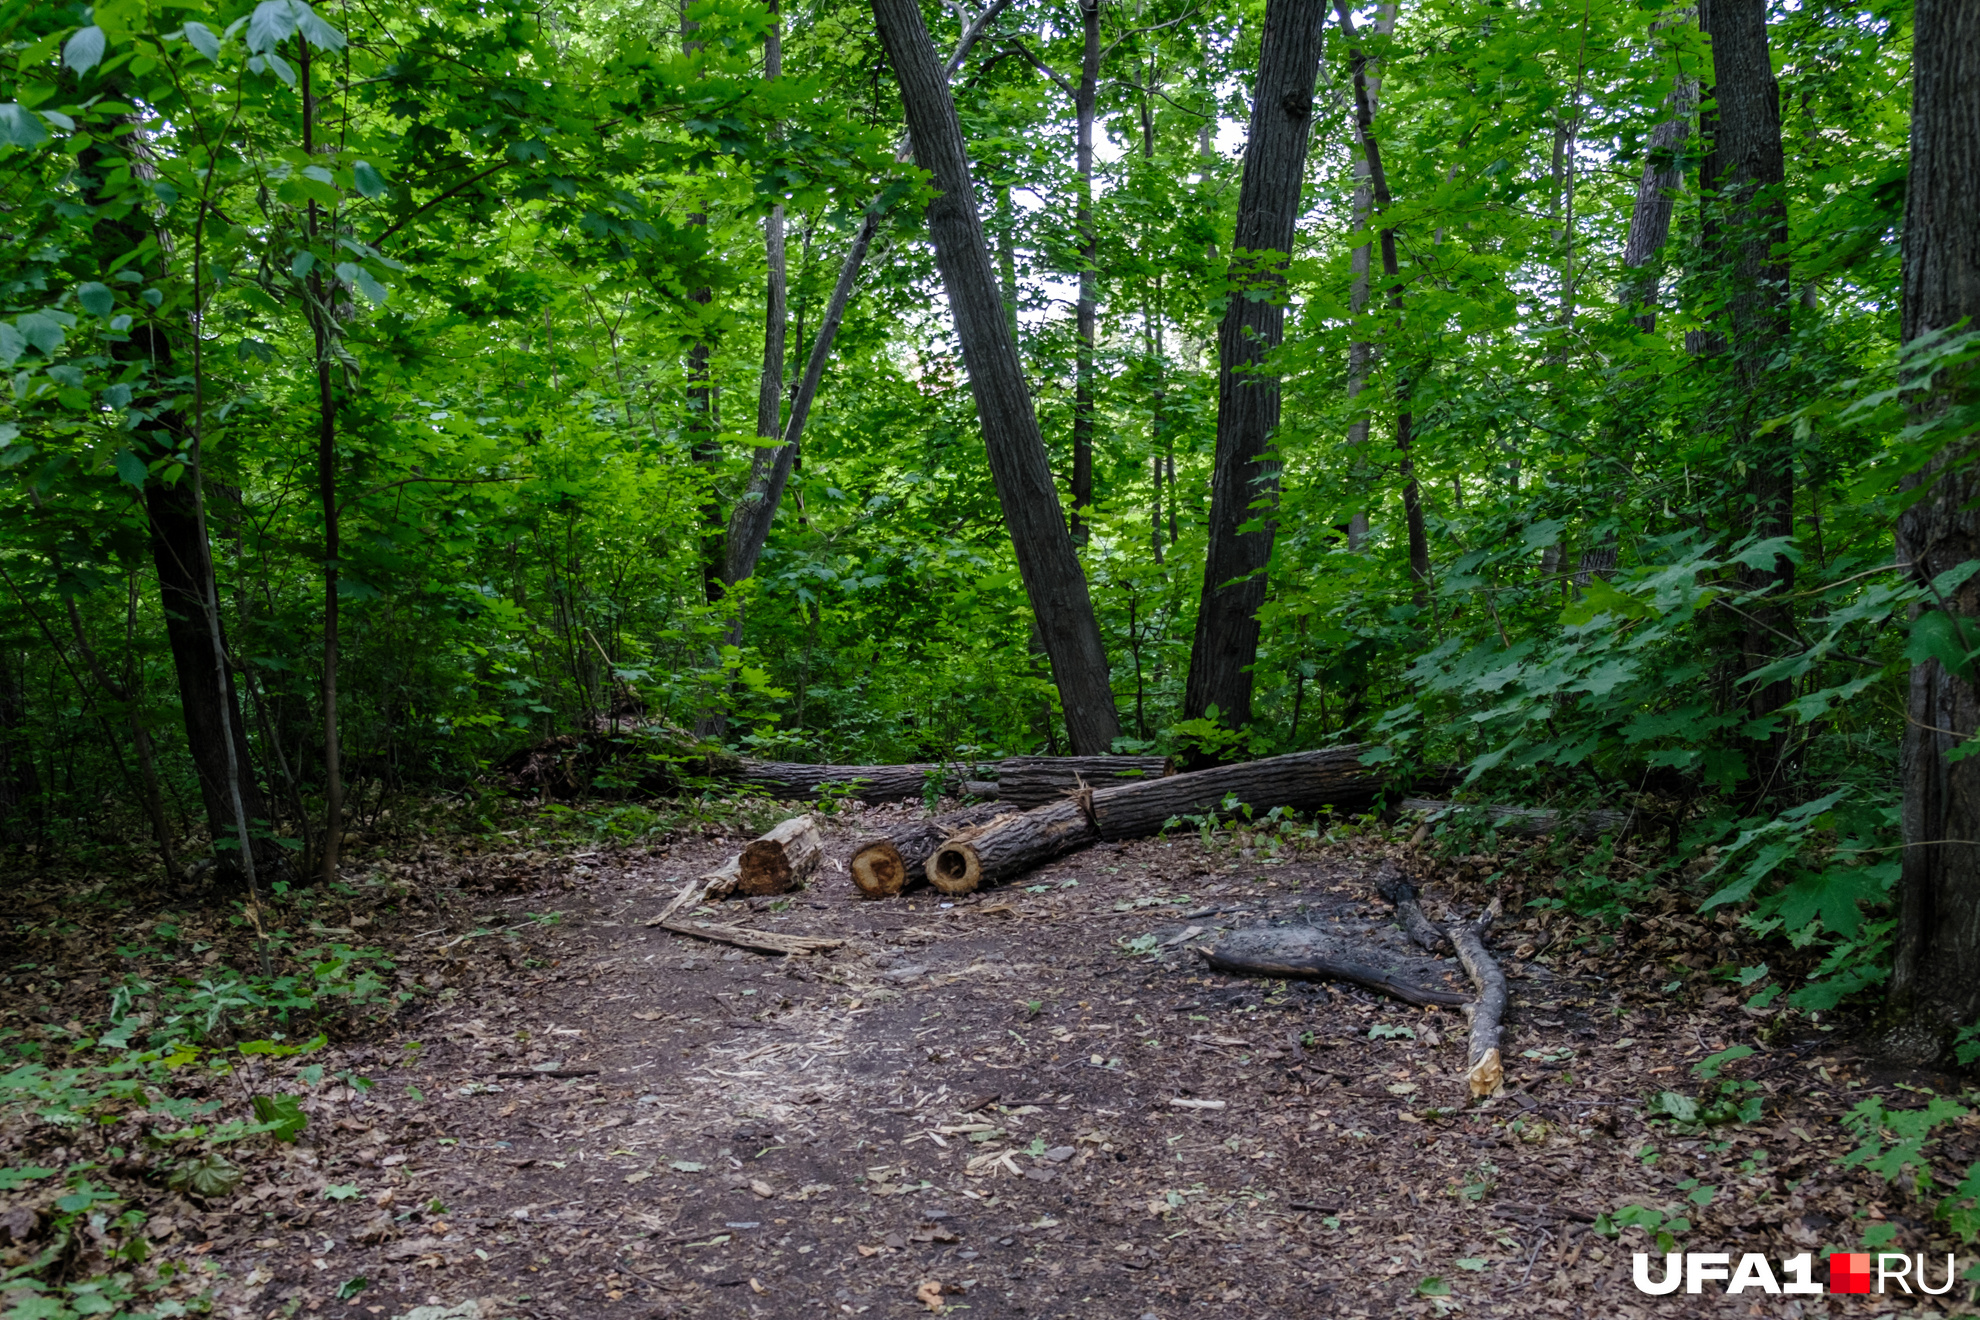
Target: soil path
[(1019, 1103)]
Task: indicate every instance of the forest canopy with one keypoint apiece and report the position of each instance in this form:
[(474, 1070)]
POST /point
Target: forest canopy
[(1533, 392)]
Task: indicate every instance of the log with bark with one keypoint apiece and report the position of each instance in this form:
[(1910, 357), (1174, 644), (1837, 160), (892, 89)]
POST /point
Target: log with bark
[(1484, 1070), (1332, 776), (1308, 953), (773, 863), (886, 864), (1025, 782), (868, 783), (1586, 824)]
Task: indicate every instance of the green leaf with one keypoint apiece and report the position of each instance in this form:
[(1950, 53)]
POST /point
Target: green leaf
[(1936, 635), (1433, 1287), (315, 31), (285, 1112), (20, 126), (131, 468), (84, 51), (370, 183), (96, 299), (273, 21), (1834, 894), (353, 274), (203, 40), (350, 1288), (341, 1192)]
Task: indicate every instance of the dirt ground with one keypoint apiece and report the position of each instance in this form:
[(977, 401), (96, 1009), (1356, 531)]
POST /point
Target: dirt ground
[(1014, 1104)]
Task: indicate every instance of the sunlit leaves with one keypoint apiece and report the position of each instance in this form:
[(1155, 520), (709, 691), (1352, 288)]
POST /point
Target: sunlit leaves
[(84, 51)]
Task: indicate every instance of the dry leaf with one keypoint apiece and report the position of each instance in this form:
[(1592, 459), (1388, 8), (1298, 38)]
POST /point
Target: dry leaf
[(761, 1188), (757, 1288), (865, 1250), (929, 1294)]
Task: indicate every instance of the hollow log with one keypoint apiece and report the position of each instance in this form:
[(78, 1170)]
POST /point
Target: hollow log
[(1484, 1070), (886, 864), (1310, 954), (1011, 845), (781, 860), (1588, 824), (1025, 782), (1303, 781)]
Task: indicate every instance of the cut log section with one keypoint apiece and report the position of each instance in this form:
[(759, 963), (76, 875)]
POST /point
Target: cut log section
[(1589, 824), (1025, 782), (1011, 845), (886, 864), (781, 860), (1302, 781), (1305, 953), (1484, 1071)]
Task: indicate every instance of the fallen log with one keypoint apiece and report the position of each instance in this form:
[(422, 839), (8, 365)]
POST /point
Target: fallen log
[(781, 860), (786, 855), (886, 864), (869, 783), (1305, 953), (1333, 776), (1393, 885), (1587, 824), (1032, 781), (1484, 1070), (762, 941)]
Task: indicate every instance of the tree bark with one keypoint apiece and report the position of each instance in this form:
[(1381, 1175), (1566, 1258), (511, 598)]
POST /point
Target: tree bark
[(703, 442), (1935, 978), (1245, 479), (1378, 181), (1299, 781), (1088, 310), (323, 332), (780, 860), (1018, 465), (886, 864), (770, 471), (1024, 782), (1656, 197), (868, 783), (1311, 954), (1747, 169), (769, 466), (1361, 352)]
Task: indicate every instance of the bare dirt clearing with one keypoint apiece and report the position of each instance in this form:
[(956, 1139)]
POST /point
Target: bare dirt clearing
[(1030, 1101)]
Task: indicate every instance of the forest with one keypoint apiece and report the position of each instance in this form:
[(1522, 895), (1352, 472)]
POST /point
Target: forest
[(1559, 406)]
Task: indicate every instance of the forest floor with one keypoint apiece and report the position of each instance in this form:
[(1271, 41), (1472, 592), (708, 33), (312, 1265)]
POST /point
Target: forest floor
[(1016, 1103)]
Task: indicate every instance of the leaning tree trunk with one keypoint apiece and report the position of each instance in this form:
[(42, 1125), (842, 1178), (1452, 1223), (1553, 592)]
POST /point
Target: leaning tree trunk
[(1018, 465), (1244, 483), (770, 470), (1361, 352), (1746, 166), (1935, 979), (1088, 315)]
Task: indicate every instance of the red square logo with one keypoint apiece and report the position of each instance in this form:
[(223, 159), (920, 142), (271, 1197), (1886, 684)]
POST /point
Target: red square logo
[(1849, 1272)]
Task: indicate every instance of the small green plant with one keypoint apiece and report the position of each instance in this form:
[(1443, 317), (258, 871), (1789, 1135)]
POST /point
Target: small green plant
[(1657, 1226)]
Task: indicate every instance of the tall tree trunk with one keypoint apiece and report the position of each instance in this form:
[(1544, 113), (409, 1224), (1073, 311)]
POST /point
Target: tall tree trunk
[(703, 429), (324, 332), (1361, 352), (1656, 197), (1748, 172), (1649, 230), (1088, 313), (768, 477), (1378, 180), (749, 524), (1007, 255), (1244, 485), (1018, 463), (21, 810), (1935, 980)]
